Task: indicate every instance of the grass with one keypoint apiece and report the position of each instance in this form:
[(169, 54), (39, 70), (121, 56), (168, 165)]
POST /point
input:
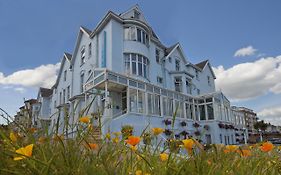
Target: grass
[(119, 153), (58, 155)]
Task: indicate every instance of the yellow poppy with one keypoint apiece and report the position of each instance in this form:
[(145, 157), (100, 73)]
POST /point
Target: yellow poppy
[(13, 137), (139, 172), (25, 151), (107, 136), (164, 157), (230, 148), (188, 144), (115, 140), (85, 119), (157, 131)]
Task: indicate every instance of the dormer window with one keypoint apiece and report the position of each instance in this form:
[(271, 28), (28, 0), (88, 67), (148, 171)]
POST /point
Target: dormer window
[(136, 14)]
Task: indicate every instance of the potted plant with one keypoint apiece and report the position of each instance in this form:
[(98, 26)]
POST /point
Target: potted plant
[(167, 122), (184, 134), (127, 130), (196, 125), (177, 136), (167, 132), (183, 123), (221, 125), (197, 133)]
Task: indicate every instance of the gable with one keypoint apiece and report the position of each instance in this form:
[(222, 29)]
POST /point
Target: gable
[(134, 13), (177, 51)]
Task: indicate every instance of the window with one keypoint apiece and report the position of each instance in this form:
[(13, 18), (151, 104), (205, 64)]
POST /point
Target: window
[(81, 83), (63, 96), (210, 111), (133, 100), (170, 59), (188, 110), (157, 108), (197, 74), (136, 14), (139, 37), (159, 80), (209, 81), (150, 103), (68, 92), (90, 49), (157, 53), (83, 55), (140, 101), (198, 91), (134, 33), (202, 112), (178, 84), (60, 98), (220, 138), (136, 64), (64, 75), (179, 109), (188, 87), (177, 63)]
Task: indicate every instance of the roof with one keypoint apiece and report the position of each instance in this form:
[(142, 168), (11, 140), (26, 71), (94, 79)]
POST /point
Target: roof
[(169, 49), (88, 31), (45, 92), (31, 101), (68, 56), (202, 64)]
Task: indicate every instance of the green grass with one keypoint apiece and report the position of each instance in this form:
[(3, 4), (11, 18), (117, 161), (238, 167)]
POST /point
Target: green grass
[(73, 156)]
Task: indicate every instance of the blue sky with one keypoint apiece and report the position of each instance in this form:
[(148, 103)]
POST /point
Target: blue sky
[(35, 33)]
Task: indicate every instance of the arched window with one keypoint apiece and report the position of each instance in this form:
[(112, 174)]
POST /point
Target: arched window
[(136, 64)]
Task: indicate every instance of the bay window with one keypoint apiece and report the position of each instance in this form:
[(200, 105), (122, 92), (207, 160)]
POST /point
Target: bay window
[(134, 33), (136, 64)]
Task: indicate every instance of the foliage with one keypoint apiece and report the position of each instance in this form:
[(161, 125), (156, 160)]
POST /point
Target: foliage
[(260, 125)]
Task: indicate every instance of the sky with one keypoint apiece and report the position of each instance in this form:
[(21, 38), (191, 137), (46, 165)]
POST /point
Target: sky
[(240, 38)]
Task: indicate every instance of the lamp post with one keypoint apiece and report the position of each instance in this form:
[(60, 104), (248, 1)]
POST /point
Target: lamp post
[(245, 137), (260, 135)]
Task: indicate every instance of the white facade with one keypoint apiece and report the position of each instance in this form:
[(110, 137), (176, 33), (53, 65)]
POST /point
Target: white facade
[(141, 83)]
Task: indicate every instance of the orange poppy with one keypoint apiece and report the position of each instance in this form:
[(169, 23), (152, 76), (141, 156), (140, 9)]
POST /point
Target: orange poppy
[(133, 140)]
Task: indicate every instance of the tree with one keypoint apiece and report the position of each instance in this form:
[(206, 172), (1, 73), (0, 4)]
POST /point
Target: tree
[(260, 125)]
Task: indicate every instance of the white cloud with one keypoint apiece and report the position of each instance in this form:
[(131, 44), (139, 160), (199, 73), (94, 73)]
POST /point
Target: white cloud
[(245, 51), (272, 115), (249, 80), (44, 75), (20, 89)]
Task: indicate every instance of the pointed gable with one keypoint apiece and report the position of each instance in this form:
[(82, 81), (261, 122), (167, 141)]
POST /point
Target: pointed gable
[(135, 13), (175, 48), (203, 64), (66, 57)]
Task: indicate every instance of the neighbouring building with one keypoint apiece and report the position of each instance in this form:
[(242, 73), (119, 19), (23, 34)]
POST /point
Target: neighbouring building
[(122, 70), (241, 130)]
